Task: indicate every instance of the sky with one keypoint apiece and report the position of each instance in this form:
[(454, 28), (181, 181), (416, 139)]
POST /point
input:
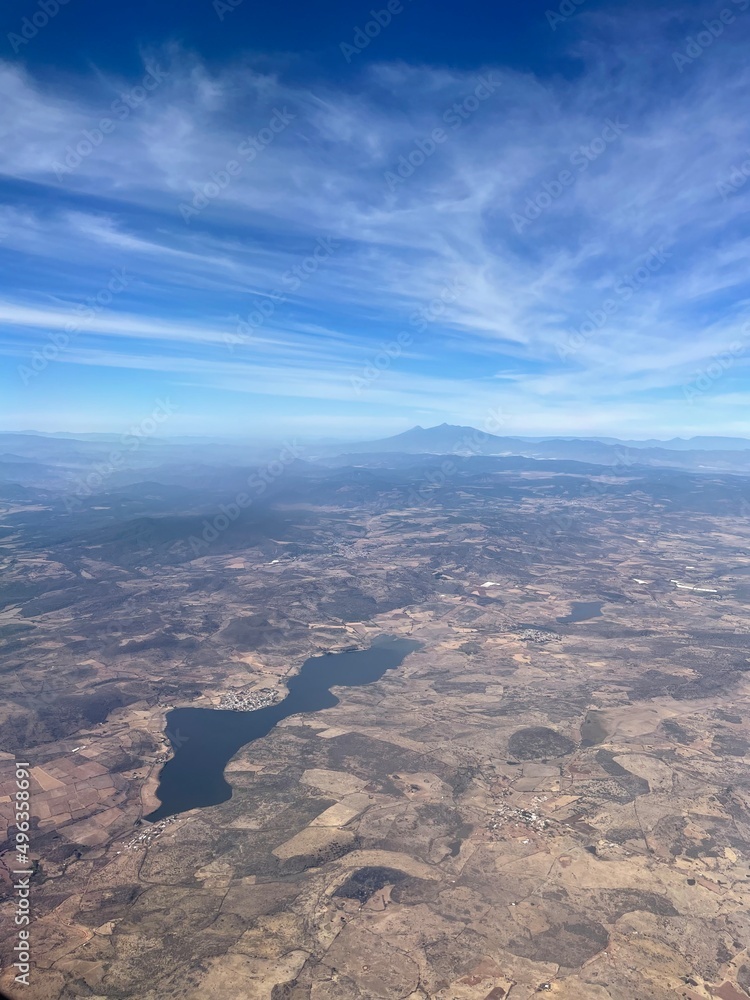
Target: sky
[(343, 220)]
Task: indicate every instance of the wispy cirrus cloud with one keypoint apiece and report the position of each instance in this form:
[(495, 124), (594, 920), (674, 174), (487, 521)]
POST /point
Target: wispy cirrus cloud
[(397, 246)]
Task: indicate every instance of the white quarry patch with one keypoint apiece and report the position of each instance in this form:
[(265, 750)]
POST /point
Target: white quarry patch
[(692, 586), (636, 580), (491, 583)]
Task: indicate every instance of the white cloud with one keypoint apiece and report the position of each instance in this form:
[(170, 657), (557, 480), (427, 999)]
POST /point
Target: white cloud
[(400, 246)]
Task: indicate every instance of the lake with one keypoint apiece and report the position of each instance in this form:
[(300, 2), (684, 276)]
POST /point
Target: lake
[(581, 611), (204, 740)]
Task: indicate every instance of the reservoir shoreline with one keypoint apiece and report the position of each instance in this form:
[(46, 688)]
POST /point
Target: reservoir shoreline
[(204, 740)]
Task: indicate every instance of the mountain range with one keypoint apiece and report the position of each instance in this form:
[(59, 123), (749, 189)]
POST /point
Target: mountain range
[(59, 461), (695, 454)]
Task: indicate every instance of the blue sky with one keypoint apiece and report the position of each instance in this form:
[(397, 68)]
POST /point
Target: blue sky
[(323, 222)]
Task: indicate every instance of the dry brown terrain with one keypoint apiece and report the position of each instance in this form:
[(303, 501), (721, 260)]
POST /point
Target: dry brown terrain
[(525, 805)]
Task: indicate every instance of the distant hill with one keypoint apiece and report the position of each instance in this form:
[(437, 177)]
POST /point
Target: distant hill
[(687, 444)]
